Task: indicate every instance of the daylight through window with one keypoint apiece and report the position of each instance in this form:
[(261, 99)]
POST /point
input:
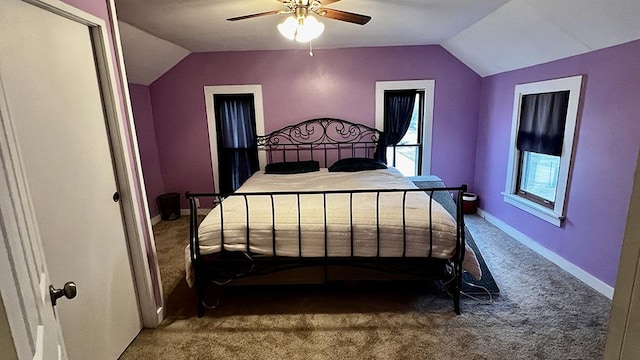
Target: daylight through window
[(542, 133), (395, 101), (406, 156)]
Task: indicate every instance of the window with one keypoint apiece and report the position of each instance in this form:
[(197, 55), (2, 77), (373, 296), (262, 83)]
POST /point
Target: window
[(538, 177), (236, 139), (542, 132), (210, 93), (406, 156), (411, 155)]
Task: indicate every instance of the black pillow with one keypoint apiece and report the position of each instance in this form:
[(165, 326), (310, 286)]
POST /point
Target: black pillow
[(356, 164), (295, 167)]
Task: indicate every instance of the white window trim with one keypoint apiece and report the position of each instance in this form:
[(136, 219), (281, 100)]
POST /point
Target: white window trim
[(428, 86), (556, 215), (209, 92)]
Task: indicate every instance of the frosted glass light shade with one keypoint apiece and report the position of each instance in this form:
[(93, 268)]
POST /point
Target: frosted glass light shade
[(310, 29), (304, 31), (288, 28)]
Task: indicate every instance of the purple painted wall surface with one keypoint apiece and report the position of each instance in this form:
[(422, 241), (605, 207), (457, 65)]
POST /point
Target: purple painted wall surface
[(147, 144), (94, 7), (606, 150), (336, 83)]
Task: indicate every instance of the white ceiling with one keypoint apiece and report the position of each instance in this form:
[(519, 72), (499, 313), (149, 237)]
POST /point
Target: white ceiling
[(490, 36), (147, 57), (528, 32)]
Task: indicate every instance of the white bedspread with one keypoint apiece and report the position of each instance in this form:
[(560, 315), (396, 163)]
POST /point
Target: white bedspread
[(363, 208)]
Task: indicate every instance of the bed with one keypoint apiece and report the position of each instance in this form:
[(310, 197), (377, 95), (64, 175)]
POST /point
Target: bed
[(322, 202)]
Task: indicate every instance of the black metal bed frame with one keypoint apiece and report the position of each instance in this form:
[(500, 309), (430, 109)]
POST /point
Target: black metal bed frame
[(323, 135), (305, 140)]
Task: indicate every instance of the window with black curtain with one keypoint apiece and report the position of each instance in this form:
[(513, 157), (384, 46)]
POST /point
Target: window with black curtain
[(398, 107), (543, 128), (540, 139), (236, 135), (542, 122)]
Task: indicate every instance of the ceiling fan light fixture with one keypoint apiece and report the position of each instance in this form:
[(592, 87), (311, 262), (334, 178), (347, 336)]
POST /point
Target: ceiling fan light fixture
[(310, 29), (288, 28), (303, 30)]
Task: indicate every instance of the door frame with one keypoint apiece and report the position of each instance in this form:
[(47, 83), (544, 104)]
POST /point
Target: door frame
[(624, 327), (18, 246)]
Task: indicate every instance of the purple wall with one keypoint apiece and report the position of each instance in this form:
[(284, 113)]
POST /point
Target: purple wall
[(146, 132), (94, 7), (472, 124), (606, 150), (336, 83)]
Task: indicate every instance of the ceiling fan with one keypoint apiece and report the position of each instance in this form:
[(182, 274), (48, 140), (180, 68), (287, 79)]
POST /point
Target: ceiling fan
[(302, 26), (303, 8)]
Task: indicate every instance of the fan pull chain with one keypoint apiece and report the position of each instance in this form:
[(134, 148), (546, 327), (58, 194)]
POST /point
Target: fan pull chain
[(310, 49)]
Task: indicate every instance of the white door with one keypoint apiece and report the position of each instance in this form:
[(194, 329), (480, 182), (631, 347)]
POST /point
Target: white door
[(35, 332), (51, 87), (624, 323)]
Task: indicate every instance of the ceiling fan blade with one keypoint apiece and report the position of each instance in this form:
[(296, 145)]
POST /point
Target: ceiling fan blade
[(274, 12), (327, 2), (343, 16)]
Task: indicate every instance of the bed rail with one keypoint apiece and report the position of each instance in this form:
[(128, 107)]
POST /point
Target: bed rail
[(226, 265)]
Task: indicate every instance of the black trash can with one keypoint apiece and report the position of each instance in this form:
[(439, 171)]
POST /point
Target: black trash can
[(469, 203), (169, 206)]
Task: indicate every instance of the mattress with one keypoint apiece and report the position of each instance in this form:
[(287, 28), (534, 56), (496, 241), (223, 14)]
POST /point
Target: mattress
[(303, 218)]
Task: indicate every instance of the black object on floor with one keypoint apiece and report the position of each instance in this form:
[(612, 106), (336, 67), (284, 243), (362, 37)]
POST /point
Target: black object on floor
[(169, 206), (487, 280)]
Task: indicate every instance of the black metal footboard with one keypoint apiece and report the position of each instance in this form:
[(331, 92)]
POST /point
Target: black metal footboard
[(222, 267)]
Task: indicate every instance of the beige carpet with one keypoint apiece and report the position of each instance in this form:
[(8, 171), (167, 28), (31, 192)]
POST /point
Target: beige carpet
[(542, 313)]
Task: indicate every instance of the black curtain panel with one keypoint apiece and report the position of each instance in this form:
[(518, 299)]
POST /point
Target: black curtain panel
[(542, 122), (236, 133), (398, 107)]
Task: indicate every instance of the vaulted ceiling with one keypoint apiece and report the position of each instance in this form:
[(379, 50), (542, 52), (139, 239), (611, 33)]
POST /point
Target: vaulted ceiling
[(490, 36)]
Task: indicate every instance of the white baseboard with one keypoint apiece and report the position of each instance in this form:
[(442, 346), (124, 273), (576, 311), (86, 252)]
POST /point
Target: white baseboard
[(160, 313), (569, 267), (185, 212), (156, 219)]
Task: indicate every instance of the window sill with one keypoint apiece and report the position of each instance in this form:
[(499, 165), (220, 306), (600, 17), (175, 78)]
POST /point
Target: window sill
[(532, 208)]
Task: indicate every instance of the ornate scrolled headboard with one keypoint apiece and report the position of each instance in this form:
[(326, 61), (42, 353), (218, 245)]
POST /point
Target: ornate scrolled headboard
[(322, 139)]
